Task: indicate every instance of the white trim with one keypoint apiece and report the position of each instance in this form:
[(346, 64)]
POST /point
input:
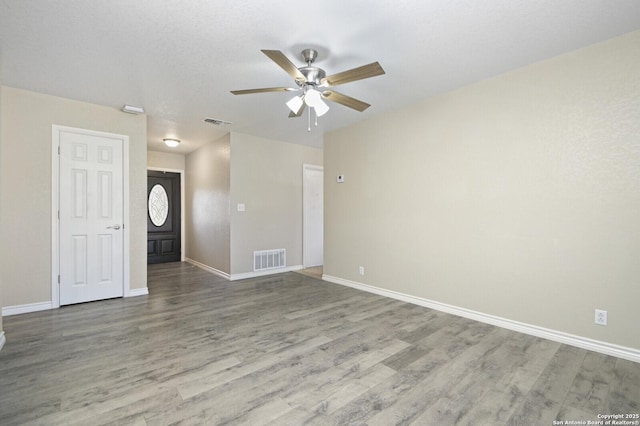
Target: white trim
[(55, 195), (630, 354), (7, 311), (55, 228), (305, 224), (182, 207), (25, 309), (3, 340), (245, 275), (134, 292), (126, 215), (208, 268)]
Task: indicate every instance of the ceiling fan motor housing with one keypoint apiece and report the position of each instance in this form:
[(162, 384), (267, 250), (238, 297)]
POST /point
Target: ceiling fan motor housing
[(313, 75)]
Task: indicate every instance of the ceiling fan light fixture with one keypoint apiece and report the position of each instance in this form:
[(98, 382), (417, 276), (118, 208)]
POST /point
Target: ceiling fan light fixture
[(314, 83), (321, 108), (295, 103), (171, 143), (312, 97)]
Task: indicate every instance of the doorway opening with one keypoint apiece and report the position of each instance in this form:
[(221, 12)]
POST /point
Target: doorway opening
[(164, 217), (313, 218)]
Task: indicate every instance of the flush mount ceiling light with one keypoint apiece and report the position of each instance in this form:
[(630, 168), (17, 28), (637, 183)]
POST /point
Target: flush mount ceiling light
[(170, 142), (315, 85), (129, 109)]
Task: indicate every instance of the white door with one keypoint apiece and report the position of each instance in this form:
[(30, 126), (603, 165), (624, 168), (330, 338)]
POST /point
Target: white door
[(91, 216), (313, 215)]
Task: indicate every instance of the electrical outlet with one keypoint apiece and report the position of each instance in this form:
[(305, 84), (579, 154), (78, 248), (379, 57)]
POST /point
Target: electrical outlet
[(601, 317), (361, 270)]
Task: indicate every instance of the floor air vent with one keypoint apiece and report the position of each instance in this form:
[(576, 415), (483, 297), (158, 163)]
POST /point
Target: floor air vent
[(269, 259)]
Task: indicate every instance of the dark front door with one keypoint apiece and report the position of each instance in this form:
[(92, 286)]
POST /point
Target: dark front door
[(163, 218)]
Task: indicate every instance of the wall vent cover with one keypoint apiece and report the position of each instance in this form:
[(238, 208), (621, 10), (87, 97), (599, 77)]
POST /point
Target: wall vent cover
[(269, 259), (216, 121)]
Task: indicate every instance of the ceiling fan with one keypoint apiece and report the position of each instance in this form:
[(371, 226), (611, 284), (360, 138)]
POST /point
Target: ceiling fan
[(315, 85)]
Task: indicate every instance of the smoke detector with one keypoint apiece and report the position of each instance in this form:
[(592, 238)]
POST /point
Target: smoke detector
[(130, 109)]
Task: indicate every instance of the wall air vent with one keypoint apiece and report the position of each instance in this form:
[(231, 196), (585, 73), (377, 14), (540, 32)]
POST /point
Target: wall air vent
[(216, 121), (269, 259)]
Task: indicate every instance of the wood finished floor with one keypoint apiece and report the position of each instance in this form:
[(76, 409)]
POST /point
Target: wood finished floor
[(315, 272), (291, 350)]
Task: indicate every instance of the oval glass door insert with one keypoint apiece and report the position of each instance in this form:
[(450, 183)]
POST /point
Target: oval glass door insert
[(158, 205)]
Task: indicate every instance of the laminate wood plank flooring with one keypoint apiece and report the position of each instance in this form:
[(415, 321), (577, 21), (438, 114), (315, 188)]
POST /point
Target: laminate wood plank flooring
[(314, 271), (291, 349)]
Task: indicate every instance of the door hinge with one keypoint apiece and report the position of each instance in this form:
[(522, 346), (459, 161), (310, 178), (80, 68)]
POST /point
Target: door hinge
[(58, 149), (58, 279)]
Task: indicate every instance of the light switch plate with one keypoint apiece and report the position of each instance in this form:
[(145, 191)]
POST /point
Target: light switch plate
[(240, 207), (340, 179)]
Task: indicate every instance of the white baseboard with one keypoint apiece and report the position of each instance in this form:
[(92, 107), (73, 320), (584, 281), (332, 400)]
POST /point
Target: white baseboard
[(133, 292), (630, 354), (3, 340), (25, 309), (43, 306), (208, 268), (246, 275)]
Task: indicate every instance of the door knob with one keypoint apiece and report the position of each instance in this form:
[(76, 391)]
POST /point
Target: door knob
[(116, 227)]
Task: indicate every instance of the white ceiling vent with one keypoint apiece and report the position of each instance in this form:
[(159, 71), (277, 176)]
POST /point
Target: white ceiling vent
[(216, 121)]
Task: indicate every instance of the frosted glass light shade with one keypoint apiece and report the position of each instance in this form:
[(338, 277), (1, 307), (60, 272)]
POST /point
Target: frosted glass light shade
[(294, 104), (312, 98), (321, 108)]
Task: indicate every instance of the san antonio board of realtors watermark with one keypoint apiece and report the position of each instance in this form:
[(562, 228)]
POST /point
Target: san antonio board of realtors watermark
[(605, 420)]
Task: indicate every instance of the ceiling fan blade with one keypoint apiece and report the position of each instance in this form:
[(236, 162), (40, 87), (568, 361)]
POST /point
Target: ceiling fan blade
[(300, 110), (345, 100), (366, 71), (279, 58), (263, 90)]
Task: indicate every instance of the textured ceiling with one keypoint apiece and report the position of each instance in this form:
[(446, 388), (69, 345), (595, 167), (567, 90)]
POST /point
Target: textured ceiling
[(180, 59)]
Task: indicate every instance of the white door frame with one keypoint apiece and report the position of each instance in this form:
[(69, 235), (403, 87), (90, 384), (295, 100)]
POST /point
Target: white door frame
[(55, 200), (305, 232), (182, 204)]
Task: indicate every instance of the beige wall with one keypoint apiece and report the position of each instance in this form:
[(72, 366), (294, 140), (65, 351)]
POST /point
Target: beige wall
[(25, 179), (165, 160), (517, 197), (207, 205), (1, 239), (266, 175)]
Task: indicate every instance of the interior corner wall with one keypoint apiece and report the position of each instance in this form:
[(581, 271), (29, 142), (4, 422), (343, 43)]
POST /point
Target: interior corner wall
[(165, 160), (517, 197), (25, 187), (2, 241), (266, 176), (207, 205)]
